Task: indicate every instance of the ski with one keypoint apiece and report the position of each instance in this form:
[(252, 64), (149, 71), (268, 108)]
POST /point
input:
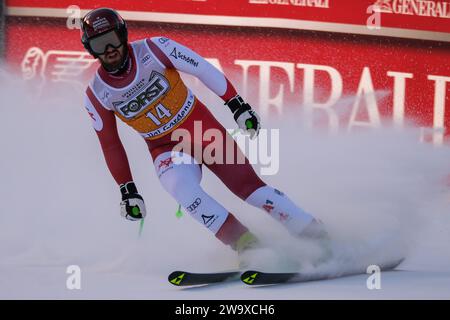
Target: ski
[(184, 278), (254, 278)]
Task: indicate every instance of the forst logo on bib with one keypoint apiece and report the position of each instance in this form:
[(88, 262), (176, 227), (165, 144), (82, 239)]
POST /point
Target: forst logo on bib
[(157, 86)]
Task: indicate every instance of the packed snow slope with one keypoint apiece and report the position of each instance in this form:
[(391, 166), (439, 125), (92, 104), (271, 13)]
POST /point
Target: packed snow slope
[(380, 192)]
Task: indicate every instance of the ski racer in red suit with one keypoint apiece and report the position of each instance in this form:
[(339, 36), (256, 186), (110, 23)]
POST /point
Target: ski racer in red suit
[(139, 83)]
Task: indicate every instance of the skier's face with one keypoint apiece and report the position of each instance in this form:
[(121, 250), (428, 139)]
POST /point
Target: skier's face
[(112, 56)]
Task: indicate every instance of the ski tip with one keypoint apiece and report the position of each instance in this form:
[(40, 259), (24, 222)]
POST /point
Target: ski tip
[(249, 277), (176, 278)]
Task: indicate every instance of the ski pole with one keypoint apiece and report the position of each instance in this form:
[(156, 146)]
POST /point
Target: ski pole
[(179, 213), (141, 227)]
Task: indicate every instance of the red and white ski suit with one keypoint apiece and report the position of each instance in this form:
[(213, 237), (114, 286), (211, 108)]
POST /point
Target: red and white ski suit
[(151, 97)]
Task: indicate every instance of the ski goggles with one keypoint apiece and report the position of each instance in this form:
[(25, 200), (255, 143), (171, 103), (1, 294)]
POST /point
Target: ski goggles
[(100, 43)]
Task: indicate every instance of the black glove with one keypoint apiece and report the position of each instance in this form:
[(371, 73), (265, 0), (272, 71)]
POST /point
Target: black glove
[(245, 117), (132, 206)]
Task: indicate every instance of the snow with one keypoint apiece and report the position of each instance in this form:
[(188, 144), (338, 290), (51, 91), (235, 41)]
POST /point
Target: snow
[(378, 192), (49, 283)]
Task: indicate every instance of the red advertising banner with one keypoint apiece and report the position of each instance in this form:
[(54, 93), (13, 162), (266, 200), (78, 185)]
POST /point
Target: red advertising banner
[(346, 81), (420, 19)]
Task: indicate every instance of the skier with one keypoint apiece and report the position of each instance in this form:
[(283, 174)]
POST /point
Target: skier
[(139, 82)]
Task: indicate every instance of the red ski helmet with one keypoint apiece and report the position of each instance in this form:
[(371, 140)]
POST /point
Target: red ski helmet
[(101, 21)]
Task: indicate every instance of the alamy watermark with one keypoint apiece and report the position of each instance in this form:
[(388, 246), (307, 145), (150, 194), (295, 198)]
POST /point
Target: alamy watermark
[(73, 281), (73, 17), (214, 146), (374, 280), (374, 20)]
